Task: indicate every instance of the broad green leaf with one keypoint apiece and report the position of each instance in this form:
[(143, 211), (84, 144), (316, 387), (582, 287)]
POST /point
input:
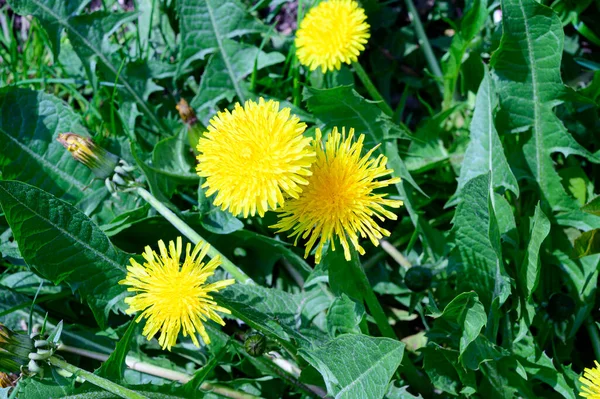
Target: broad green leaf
[(88, 33), (30, 122), (438, 364), (485, 153), (274, 312), (529, 273), (205, 26), (527, 72), (462, 320), (477, 257), (344, 316), (220, 82), (60, 243), (353, 365), (481, 350), (587, 243), (470, 26)]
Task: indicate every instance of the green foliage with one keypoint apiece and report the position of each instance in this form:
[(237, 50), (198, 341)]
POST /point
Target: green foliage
[(354, 364), (60, 243), (488, 277)]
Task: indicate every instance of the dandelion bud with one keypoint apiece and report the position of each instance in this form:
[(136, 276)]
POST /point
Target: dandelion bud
[(5, 380), (255, 344), (418, 278), (187, 113), (84, 150), (15, 348)]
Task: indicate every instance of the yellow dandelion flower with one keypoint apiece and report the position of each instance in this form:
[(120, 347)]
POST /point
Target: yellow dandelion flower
[(333, 32), (252, 156), (339, 198), (591, 382), (174, 296)]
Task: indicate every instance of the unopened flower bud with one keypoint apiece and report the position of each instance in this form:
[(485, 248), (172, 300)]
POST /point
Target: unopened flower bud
[(15, 348), (5, 380), (186, 112), (255, 344), (84, 150)]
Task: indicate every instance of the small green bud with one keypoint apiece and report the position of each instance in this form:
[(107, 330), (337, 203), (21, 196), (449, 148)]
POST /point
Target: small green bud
[(255, 344), (560, 306), (418, 278)]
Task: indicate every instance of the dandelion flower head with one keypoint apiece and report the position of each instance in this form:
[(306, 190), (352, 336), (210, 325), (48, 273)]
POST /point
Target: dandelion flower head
[(333, 32), (339, 199), (173, 296), (591, 382), (254, 157)]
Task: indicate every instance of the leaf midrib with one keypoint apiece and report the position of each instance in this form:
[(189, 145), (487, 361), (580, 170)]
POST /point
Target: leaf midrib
[(534, 83), (226, 59), (106, 62), (66, 232)]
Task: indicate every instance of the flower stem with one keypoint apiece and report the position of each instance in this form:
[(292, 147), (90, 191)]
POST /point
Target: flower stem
[(371, 300), (92, 378), (194, 237), (373, 92), (376, 310), (168, 374), (423, 40)]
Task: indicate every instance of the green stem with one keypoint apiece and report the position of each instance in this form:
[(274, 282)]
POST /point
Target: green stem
[(105, 384), (423, 40), (373, 92), (594, 336), (376, 310), (194, 237)]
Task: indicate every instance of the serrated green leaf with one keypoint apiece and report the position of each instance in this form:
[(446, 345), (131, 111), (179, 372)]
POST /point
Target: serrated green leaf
[(529, 84), (353, 365), (30, 122), (477, 253), (62, 244), (206, 25), (485, 153)]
